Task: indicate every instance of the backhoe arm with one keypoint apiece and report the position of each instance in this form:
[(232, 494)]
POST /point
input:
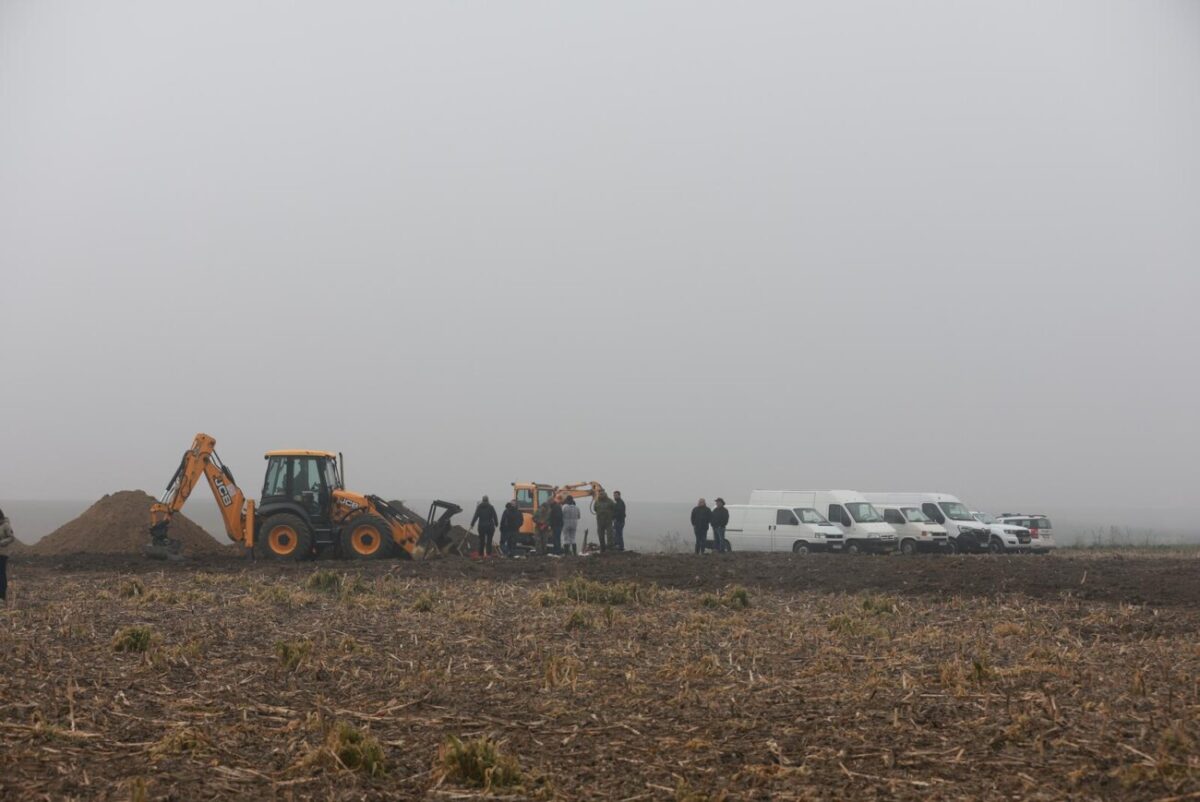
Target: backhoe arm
[(201, 460)]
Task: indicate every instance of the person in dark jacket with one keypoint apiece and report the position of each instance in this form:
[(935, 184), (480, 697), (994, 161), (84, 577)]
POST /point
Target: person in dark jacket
[(604, 508), (510, 525), (618, 521), (485, 516), (7, 538), (556, 524), (701, 518), (719, 520)]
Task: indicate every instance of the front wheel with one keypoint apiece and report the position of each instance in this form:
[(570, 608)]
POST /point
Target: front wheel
[(284, 537), (366, 537), (908, 547), (996, 547), (853, 548), (800, 547), (952, 547)]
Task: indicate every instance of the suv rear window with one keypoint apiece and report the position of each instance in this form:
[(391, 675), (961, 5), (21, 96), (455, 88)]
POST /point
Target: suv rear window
[(1038, 523)]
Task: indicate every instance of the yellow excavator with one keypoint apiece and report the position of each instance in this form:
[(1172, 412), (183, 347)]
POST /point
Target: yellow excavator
[(530, 496), (305, 508)]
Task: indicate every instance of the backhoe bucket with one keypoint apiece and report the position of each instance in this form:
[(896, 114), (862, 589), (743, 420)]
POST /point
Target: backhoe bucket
[(162, 547)]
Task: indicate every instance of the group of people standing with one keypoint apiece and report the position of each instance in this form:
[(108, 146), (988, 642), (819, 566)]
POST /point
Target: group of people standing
[(716, 517), (556, 525)]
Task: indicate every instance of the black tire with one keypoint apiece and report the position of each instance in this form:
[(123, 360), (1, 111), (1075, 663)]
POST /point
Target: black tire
[(853, 548), (908, 547), (995, 546), (367, 537), (800, 547), (284, 537)]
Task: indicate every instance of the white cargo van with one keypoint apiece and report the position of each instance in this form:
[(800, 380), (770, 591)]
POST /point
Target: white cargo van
[(861, 524), (780, 528), (966, 534), (915, 530)]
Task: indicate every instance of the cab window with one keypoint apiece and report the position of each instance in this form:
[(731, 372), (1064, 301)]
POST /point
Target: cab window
[(838, 514), (524, 498), (544, 495), (786, 518), (893, 516), (931, 509), (276, 481)]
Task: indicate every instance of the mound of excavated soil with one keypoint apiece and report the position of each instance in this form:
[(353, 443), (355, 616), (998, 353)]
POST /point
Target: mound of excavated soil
[(119, 523)]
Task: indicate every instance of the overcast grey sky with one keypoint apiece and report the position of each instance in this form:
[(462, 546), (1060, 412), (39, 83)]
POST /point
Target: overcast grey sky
[(683, 248)]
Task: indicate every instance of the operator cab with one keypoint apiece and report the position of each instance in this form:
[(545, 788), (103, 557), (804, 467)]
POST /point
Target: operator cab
[(305, 479)]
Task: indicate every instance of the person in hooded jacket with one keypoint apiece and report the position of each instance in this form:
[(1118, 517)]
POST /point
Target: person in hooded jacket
[(510, 525), (570, 514), (485, 516)]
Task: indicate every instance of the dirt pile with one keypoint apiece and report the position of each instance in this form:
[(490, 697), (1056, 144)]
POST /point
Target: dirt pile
[(119, 523)]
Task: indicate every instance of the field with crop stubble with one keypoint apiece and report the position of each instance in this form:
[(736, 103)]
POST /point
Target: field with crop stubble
[(623, 677)]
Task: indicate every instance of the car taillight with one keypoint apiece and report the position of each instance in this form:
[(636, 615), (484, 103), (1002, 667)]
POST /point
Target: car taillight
[(1033, 533)]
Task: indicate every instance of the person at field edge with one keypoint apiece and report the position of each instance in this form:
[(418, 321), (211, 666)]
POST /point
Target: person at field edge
[(556, 524), (701, 517), (510, 525), (541, 526), (485, 516), (604, 509), (618, 521), (719, 520), (6, 539), (570, 514)]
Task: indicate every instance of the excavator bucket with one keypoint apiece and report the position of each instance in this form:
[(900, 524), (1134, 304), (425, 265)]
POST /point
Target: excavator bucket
[(436, 532), (162, 547)]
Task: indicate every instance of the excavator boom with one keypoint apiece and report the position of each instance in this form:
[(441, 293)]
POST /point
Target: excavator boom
[(200, 460)]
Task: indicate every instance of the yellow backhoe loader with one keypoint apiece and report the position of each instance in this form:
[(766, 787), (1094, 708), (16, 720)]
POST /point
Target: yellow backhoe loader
[(305, 508)]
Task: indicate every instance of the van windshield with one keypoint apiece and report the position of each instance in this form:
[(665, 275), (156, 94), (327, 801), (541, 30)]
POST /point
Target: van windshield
[(915, 515), (956, 511), (864, 513), (810, 516)]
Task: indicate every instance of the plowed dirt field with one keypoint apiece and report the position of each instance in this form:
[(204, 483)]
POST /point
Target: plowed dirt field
[(615, 677)]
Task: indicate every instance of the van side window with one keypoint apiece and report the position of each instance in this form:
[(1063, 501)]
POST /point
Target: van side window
[(931, 509), (786, 518), (838, 514), (892, 516)]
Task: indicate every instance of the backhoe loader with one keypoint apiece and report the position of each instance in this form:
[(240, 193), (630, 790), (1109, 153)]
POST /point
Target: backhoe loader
[(305, 508), (530, 496)]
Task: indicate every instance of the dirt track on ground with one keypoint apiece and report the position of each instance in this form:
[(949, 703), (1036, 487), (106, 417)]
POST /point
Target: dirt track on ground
[(621, 677)]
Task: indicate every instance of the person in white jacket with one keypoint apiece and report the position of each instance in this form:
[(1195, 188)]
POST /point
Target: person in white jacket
[(570, 514)]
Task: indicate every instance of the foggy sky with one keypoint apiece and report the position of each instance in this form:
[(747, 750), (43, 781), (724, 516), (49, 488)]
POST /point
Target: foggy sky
[(682, 248)]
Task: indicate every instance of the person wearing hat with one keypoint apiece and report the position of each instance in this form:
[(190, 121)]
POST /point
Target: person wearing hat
[(719, 520), (485, 516)]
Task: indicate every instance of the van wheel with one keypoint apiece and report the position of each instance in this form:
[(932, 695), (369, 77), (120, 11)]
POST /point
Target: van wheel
[(908, 547), (800, 547), (853, 548), (996, 547)]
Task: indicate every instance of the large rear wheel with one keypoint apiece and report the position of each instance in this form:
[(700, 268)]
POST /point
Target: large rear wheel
[(367, 537), (284, 537)]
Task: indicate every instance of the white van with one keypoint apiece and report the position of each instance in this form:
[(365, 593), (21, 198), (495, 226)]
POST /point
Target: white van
[(966, 534), (861, 524), (778, 528), (915, 530)]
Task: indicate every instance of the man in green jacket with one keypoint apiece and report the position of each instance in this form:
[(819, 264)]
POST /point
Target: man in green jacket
[(604, 509)]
